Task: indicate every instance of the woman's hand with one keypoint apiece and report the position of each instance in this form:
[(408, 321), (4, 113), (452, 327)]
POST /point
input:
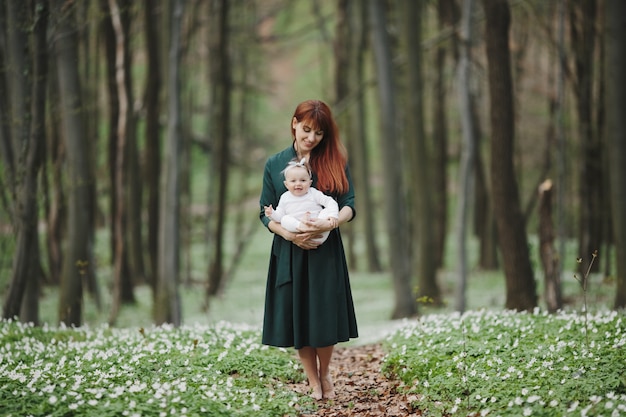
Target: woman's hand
[(306, 240), (303, 240), (319, 225)]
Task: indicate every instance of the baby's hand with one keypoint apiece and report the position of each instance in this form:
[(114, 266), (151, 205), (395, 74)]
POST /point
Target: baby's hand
[(268, 210)]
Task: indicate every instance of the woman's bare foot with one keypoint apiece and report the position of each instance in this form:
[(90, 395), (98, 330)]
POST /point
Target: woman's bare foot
[(317, 393), (327, 387)]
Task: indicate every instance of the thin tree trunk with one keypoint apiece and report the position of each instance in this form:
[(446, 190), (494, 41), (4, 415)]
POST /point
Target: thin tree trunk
[(54, 188), (547, 251), (133, 194), (78, 244), (167, 308), (468, 152), (419, 160), (359, 159), (397, 222), (89, 60), (615, 67), (446, 17), (583, 34), (520, 282), (343, 68), (153, 143), (120, 166), (216, 270), (19, 69), (23, 295)]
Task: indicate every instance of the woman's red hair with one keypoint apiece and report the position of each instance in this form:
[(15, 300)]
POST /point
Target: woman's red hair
[(329, 158)]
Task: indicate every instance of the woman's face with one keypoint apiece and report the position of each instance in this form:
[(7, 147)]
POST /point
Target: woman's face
[(307, 137)]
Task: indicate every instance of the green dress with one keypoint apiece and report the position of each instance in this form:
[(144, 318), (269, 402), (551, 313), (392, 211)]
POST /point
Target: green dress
[(308, 300)]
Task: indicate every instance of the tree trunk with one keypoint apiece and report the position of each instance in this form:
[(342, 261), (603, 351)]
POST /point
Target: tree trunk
[(615, 67), (397, 222), (419, 160), (23, 295), (216, 270), (121, 280), (133, 194), (167, 308), (582, 25), (343, 68), (520, 282), (359, 155), (152, 157), (468, 151), (78, 244), (547, 251), (34, 159), (109, 40), (89, 70), (446, 18), (19, 69), (55, 201)]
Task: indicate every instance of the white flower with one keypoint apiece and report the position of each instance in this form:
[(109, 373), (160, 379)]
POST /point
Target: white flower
[(52, 400), (533, 398)]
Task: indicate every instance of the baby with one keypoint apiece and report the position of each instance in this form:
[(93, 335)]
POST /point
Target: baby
[(301, 201)]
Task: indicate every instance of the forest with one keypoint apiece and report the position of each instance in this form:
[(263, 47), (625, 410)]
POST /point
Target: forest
[(481, 135)]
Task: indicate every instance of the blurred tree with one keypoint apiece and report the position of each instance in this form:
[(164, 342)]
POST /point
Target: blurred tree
[(398, 229), (54, 186), (152, 154), (77, 253), (418, 158), (582, 19), (468, 149), (86, 11), (447, 18), (167, 306), (223, 85), (342, 62), (615, 67), (351, 47), (520, 281), (124, 183), (22, 298)]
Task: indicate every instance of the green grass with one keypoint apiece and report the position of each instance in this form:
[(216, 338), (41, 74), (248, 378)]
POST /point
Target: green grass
[(513, 364), (496, 363), (219, 370)]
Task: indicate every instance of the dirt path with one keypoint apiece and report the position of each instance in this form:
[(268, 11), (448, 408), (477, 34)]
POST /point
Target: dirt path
[(361, 390)]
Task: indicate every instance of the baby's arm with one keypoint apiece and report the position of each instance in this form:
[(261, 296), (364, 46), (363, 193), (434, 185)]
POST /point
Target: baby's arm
[(331, 208)]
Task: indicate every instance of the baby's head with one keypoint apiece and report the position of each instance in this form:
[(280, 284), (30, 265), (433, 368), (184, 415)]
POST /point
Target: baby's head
[(298, 177)]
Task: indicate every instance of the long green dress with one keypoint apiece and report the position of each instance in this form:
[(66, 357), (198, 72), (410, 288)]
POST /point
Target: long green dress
[(308, 300)]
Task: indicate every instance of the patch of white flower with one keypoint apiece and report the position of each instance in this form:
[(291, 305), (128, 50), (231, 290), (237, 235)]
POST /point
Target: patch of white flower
[(88, 370), (476, 348)]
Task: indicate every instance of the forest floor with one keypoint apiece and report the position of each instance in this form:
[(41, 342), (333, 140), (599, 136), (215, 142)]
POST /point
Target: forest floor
[(361, 389)]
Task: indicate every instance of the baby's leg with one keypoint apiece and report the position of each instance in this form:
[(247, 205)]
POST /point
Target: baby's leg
[(290, 223), (324, 214)]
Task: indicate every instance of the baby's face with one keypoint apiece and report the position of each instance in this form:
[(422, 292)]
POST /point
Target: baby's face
[(297, 180)]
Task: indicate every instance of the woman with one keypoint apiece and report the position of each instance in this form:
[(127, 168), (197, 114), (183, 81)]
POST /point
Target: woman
[(308, 301)]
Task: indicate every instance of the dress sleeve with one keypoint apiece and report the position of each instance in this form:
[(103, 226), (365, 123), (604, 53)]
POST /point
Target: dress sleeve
[(268, 194), (347, 199)]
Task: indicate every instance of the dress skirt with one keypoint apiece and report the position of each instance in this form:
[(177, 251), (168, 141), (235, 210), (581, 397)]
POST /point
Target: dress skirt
[(308, 297)]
